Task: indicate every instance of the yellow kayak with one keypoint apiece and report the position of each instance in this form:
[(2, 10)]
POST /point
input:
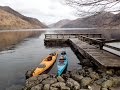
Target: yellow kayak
[(45, 64)]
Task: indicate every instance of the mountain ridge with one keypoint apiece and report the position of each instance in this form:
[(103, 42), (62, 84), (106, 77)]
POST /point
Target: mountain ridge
[(59, 23), (11, 19), (99, 20)]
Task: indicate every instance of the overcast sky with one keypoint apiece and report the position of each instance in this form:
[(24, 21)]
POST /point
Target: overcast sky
[(47, 11)]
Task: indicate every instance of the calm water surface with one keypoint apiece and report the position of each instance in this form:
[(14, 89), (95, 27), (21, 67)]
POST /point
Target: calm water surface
[(115, 44), (26, 55)]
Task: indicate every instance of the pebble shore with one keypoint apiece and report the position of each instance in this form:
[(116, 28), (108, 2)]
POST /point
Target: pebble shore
[(86, 78)]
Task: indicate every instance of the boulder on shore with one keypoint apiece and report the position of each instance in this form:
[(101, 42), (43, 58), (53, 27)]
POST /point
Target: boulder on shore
[(49, 81), (86, 81), (73, 84)]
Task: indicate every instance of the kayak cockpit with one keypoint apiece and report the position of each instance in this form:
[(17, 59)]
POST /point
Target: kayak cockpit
[(49, 58), (62, 60), (63, 53)]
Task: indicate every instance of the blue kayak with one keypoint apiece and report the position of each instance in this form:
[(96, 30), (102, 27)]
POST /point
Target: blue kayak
[(62, 63)]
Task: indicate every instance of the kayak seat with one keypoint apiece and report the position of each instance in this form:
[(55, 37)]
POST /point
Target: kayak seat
[(61, 60), (49, 58)]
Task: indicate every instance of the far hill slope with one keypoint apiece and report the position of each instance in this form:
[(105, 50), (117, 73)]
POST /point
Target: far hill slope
[(103, 19), (11, 19), (115, 21), (60, 23), (98, 20)]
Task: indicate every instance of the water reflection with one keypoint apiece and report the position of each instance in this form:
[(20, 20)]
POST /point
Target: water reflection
[(24, 56)]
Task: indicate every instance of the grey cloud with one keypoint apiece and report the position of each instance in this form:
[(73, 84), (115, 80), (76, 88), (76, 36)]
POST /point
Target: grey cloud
[(48, 11)]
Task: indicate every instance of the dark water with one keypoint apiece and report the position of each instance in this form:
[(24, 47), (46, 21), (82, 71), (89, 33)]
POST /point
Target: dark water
[(114, 44), (24, 56)]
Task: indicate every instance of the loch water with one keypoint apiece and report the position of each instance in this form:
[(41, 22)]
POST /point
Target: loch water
[(26, 55)]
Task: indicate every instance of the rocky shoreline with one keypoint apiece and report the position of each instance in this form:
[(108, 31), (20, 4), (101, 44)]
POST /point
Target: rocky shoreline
[(86, 78)]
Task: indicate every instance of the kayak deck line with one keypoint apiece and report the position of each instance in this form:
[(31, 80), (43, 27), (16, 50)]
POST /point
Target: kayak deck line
[(47, 62), (44, 65), (62, 63)]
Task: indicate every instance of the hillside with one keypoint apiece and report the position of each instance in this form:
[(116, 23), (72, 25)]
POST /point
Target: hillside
[(60, 23), (103, 19), (11, 19), (98, 20)]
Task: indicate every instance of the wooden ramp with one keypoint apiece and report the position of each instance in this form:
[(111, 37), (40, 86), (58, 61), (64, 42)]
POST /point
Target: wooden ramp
[(100, 57)]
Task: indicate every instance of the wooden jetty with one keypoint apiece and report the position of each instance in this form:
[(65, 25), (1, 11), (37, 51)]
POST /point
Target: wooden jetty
[(67, 36), (88, 45)]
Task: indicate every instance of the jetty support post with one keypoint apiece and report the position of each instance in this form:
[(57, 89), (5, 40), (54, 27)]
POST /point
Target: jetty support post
[(92, 40)]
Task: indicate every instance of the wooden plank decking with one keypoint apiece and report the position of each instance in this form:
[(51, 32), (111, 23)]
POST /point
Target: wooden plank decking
[(101, 57)]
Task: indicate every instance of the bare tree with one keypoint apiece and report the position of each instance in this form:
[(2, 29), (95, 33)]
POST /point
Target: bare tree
[(90, 7)]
